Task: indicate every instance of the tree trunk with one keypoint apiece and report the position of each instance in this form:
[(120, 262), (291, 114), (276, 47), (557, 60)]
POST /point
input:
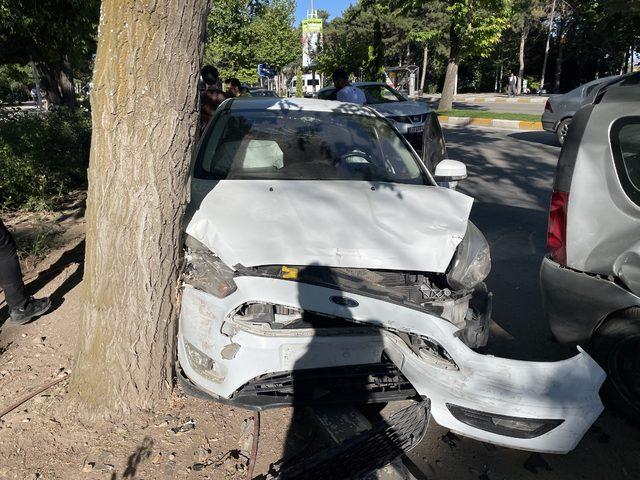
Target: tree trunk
[(145, 121), (51, 84), (523, 38), (448, 89), (546, 48), (65, 84), (558, 74), (425, 59), (59, 83)]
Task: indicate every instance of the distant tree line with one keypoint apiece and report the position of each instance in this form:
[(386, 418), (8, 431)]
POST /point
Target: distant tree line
[(484, 40)]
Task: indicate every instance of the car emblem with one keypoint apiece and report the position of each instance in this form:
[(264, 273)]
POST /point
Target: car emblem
[(344, 301), (416, 118)]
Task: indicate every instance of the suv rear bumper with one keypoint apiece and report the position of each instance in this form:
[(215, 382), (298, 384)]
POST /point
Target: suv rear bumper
[(576, 303)]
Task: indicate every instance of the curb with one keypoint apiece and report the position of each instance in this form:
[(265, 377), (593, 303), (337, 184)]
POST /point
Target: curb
[(489, 122)]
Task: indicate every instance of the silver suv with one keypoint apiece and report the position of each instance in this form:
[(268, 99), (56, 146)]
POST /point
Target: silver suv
[(591, 278)]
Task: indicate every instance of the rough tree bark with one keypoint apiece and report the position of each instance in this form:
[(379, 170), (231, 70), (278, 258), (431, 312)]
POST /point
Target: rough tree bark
[(446, 100), (144, 112)]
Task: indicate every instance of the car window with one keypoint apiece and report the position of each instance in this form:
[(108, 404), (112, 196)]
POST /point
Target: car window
[(625, 144), (591, 89), (380, 94), (299, 145)]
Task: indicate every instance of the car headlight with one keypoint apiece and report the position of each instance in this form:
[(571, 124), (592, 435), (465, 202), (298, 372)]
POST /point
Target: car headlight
[(206, 272), (472, 262)]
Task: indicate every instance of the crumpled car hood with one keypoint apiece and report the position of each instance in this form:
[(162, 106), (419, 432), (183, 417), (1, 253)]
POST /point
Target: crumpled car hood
[(400, 108), (354, 224)]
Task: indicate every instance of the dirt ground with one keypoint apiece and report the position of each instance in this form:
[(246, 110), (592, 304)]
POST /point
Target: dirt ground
[(42, 439)]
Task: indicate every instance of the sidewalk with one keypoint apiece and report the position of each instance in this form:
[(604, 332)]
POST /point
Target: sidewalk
[(488, 98)]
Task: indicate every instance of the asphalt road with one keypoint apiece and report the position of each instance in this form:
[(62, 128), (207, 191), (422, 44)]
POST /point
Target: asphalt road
[(510, 177)]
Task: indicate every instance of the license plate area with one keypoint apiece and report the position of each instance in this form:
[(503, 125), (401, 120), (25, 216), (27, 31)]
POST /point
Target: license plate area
[(418, 129)]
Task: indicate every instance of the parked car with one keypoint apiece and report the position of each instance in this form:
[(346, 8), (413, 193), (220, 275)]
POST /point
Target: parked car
[(262, 92), (591, 277), (324, 264), (560, 109), (408, 116)]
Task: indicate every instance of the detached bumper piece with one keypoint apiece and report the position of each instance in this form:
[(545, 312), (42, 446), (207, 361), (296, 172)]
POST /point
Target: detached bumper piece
[(364, 453)]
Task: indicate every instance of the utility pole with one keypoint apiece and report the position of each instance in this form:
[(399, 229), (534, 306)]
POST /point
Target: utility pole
[(546, 48)]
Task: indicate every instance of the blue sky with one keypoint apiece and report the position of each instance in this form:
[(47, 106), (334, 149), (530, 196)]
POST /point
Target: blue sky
[(334, 7)]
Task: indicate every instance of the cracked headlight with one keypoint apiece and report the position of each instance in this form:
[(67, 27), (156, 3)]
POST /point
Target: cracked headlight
[(472, 262), (205, 271)]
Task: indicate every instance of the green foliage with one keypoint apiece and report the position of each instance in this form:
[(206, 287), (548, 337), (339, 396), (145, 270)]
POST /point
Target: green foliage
[(477, 25), (299, 92), (49, 31), (367, 37), (13, 77), (42, 156), (241, 35)]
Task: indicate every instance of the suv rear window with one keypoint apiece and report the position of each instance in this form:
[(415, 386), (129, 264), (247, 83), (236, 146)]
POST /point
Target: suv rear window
[(625, 143)]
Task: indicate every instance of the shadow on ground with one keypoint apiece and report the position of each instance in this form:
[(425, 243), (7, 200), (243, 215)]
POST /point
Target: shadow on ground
[(73, 255)]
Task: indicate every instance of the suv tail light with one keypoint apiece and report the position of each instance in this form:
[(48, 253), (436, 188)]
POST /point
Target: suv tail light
[(547, 106), (557, 228)]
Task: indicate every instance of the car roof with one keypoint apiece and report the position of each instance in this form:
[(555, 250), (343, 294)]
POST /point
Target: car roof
[(300, 104), (626, 90), (369, 84)]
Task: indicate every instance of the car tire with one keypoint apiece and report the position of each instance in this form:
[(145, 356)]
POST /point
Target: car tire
[(616, 346), (561, 131)]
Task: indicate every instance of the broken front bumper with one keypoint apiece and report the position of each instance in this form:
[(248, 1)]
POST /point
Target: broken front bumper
[(537, 406)]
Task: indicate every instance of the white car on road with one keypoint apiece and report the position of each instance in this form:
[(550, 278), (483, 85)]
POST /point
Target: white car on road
[(325, 264), (408, 116)]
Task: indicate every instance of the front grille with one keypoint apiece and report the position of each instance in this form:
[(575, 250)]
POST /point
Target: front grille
[(352, 385)]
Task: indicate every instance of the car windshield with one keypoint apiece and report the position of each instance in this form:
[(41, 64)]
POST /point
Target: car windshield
[(380, 94), (304, 145)]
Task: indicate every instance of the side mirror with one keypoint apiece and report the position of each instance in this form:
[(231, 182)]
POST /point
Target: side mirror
[(449, 172)]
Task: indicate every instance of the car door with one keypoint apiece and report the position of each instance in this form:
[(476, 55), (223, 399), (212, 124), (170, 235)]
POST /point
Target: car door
[(434, 149)]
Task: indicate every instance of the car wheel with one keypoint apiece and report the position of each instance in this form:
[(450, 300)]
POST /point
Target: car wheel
[(563, 128), (616, 346)]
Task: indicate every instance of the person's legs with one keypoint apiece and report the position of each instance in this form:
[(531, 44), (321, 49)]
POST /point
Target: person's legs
[(10, 273), (22, 308)]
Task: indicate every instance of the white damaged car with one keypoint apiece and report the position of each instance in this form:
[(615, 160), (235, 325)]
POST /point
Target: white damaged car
[(324, 264)]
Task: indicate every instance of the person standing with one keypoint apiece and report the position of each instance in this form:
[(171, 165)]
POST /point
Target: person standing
[(233, 87), (211, 95), (345, 92), (512, 85), (22, 308)]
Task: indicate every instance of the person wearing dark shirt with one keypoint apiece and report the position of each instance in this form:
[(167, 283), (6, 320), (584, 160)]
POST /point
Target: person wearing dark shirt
[(211, 96)]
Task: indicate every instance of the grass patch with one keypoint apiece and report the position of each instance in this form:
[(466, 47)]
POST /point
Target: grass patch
[(526, 117), (34, 248)]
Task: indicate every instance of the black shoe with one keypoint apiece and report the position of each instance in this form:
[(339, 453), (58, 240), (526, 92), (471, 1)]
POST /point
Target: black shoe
[(33, 308)]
